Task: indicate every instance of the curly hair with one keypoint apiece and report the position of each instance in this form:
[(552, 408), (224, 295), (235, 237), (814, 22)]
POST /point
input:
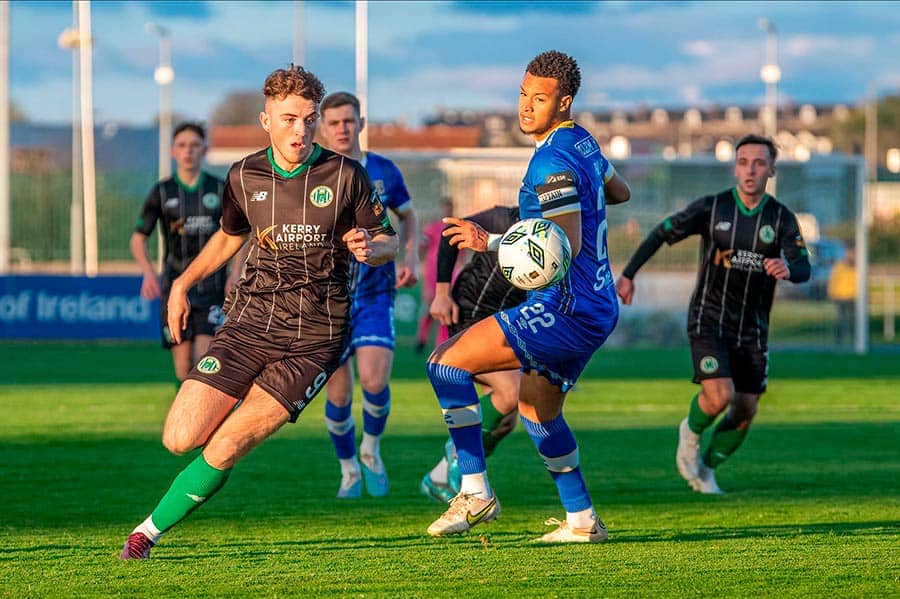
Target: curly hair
[(560, 66), (293, 81)]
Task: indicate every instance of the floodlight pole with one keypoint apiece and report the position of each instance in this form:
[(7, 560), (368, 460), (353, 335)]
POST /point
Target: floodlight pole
[(5, 227), (362, 67), (85, 55), (299, 33), (163, 75)]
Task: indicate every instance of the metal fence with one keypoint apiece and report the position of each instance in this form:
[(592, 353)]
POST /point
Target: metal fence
[(827, 192)]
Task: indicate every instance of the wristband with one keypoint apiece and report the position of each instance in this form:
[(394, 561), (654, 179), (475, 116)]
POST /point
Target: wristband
[(493, 243)]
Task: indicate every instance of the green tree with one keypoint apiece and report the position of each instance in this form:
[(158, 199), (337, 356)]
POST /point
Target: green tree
[(238, 108), (849, 135)]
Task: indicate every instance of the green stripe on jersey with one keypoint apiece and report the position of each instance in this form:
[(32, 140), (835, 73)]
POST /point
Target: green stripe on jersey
[(317, 151)]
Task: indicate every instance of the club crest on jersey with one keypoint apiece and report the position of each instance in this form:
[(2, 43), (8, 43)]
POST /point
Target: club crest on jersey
[(210, 201), (321, 196), (708, 364), (767, 234), (378, 184), (209, 365)]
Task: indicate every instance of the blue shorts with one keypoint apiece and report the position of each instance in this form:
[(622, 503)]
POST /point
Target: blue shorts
[(371, 323), (556, 345)]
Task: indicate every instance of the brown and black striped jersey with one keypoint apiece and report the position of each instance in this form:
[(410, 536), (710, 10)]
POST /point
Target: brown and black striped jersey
[(298, 268), (733, 294)]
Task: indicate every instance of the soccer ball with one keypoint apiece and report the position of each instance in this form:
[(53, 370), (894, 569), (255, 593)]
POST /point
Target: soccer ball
[(534, 254)]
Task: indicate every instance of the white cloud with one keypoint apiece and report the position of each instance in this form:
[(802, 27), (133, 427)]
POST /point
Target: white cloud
[(698, 48), (807, 46)]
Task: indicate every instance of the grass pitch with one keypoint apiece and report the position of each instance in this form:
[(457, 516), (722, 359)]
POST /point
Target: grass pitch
[(813, 503)]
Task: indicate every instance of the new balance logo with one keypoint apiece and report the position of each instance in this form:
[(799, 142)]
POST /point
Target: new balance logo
[(259, 196)]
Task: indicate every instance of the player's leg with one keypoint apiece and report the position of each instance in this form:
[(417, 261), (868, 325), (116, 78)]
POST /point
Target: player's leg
[(373, 363), (540, 409), (198, 410), (713, 372), (480, 348), (342, 429), (749, 370), (182, 360)]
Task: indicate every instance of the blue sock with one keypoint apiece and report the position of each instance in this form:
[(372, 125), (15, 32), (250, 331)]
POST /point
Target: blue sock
[(376, 407), (557, 447), (462, 414), (341, 429)]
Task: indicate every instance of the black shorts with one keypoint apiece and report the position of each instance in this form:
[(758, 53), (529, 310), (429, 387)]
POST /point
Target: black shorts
[(717, 357), (290, 369), (204, 319)]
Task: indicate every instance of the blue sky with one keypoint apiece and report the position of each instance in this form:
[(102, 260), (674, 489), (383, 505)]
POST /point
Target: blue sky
[(460, 55)]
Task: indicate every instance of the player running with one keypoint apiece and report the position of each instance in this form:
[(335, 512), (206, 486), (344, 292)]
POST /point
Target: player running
[(288, 318), (744, 234)]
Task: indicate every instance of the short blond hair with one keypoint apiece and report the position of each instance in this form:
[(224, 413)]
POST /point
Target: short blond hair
[(293, 81)]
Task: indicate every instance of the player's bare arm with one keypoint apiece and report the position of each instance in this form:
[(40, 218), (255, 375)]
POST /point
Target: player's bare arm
[(616, 190), (465, 234), (443, 309), (374, 251), (409, 231), (217, 251), (571, 224), (150, 284)]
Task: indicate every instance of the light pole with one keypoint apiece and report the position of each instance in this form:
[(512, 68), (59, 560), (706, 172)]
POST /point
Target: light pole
[(5, 229), (70, 40), (299, 33), (163, 75), (362, 66), (770, 73)]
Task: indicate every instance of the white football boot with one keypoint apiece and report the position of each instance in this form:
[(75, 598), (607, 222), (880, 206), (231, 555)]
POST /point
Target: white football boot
[(465, 511), (565, 533), (706, 481), (687, 457)]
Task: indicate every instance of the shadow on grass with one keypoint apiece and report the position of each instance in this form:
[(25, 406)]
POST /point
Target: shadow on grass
[(61, 483)]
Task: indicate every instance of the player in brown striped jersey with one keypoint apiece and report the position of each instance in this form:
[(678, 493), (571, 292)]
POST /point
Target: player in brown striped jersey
[(745, 233), (288, 316)]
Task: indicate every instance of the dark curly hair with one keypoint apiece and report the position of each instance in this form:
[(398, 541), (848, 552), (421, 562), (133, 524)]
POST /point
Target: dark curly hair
[(293, 81), (560, 66)]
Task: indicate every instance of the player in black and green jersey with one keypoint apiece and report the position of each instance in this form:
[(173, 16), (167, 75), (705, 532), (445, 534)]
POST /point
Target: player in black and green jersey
[(188, 207), (749, 242), (288, 321)]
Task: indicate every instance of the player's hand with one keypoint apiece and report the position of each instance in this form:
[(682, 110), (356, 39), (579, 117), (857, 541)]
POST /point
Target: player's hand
[(625, 289), (357, 241), (150, 287), (775, 267), (178, 310), (406, 276), (465, 234), (444, 310)]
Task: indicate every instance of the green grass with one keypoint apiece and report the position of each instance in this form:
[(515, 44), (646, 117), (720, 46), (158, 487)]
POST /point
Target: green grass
[(813, 503)]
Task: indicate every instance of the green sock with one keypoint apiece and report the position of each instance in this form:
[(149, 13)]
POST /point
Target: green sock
[(698, 420), (725, 440), (490, 420), (195, 484)]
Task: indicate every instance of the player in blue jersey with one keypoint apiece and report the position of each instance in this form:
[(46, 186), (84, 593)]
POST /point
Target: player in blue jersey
[(372, 312), (553, 334)]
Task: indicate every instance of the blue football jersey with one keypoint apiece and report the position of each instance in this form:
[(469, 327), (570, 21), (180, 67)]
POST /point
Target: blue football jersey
[(388, 183), (565, 175)]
